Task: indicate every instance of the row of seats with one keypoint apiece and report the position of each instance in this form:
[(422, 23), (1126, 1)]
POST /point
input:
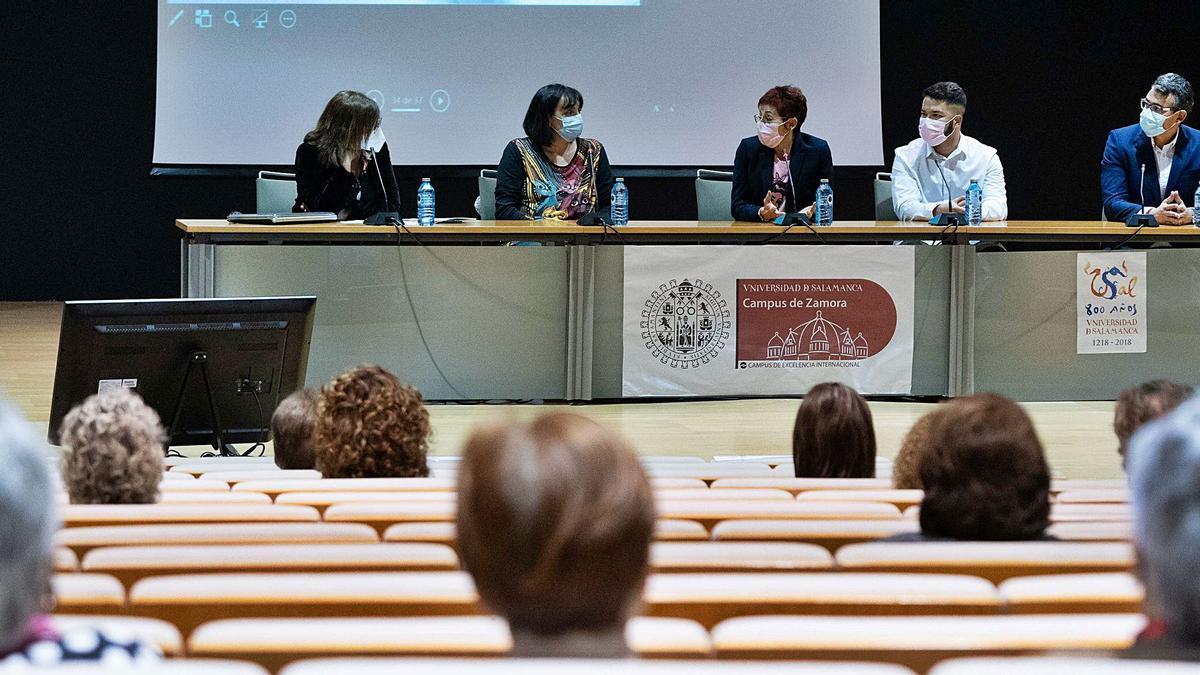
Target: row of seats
[(916, 642), (187, 600), (995, 561)]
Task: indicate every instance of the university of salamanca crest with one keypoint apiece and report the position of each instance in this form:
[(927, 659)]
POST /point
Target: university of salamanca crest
[(685, 324)]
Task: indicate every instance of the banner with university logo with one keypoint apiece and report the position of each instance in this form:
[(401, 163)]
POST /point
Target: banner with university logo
[(1110, 298), (767, 320)]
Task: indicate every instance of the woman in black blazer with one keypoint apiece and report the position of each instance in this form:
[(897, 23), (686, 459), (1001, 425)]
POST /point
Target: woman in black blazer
[(778, 170)]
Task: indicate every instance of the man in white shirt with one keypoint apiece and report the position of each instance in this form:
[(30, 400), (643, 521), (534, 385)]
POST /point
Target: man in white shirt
[(931, 174)]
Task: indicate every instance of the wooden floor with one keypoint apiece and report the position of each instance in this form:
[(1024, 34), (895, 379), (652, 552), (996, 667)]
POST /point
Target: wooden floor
[(1078, 436)]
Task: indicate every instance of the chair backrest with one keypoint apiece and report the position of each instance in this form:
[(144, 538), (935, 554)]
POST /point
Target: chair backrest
[(511, 666), (1073, 594), (1053, 665), (276, 191), (83, 539), (714, 193), (884, 208), (486, 206), (996, 561), (831, 534)]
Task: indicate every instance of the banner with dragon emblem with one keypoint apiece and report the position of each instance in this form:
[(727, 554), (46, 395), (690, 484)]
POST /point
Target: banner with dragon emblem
[(773, 320), (1110, 298)]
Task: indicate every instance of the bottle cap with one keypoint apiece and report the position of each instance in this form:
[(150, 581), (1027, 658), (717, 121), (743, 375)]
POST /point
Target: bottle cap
[(824, 180), (424, 180), (620, 180)]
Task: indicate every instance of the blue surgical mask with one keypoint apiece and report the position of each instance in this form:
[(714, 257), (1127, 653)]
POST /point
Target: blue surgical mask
[(572, 127), (1152, 123), (374, 142)]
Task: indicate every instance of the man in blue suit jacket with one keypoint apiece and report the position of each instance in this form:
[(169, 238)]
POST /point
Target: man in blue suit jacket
[(1160, 146)]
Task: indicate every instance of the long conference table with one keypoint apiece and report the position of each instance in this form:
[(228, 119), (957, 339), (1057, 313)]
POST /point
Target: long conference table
[(505, 319)]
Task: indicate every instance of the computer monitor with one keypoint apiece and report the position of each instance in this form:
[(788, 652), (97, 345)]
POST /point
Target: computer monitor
[(213, 369)]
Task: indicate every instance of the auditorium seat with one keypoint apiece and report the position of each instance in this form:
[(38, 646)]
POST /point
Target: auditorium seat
[(1105, 496), (1057, 486), (992, 560), (84, 539), (65, 560), (706, 493), (214, 498), (273, 643), (900, 498), (707, 471), (87, 594), (278, 487), (1119, 530), (323, 500), (82, 515), (918, 642), (381, 515), (831, 534), (199, 465), (671, 459), (193, 485), (1057, 665), (241, 476), (712, 598), (677, 483), (798, 485), (130, 564), (165, 667), (711, 511), (712, 556), (419, 666), (151, 631), (1065, 513), (1073, 593), (177, 476), (443, 532), (191, 599)]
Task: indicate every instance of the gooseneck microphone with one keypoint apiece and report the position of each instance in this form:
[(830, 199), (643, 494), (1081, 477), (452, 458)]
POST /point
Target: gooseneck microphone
[(387, 216), (949, 218), (1139, 218)]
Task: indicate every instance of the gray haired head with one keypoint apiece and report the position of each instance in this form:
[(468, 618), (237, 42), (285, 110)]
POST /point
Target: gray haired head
[(1164, 463), (1171, 84), (27, 523)]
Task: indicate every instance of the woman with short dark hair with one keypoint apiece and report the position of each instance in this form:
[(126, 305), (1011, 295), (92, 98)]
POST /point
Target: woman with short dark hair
[(553, 173), (834, 435), (984, 473), (778, 170), (555, 521), (344, 165)]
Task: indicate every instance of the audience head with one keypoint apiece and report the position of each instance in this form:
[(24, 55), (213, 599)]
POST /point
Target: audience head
[(292, 428), (27, 523), (834, 435), (984, 473), (783, 105), (544, 118), (555, 520), (114, 450), (348, 120), (1147, 401), (1164, 477), (369, 424), (906, 469)]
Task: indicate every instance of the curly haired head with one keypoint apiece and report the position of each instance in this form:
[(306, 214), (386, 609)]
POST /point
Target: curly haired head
[(984, 472), (1145, 402), (907, 465), (370, 425), (114, 450)]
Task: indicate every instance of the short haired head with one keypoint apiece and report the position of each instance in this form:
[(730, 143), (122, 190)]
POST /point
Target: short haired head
[(348, 120), (1178, 89), (544, 105), (27, 523), (1164, 477), (984, 473), (949, 93), (788, 101), (369, 424), (834, 435), (555, 520), (292, 426), (114, 450), (907, 465), (1147, 401)]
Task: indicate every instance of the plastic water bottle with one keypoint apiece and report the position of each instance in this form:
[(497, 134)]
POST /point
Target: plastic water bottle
[(620, 203), (1196, 207), (824, 211), (974, 203), (426, 203)]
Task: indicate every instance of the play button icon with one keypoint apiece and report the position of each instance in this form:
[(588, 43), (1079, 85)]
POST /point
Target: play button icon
[(439, 101)]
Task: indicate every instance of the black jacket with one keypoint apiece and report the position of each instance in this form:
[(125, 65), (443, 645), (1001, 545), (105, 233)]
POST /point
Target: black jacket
[(753, 174), (332, 188)]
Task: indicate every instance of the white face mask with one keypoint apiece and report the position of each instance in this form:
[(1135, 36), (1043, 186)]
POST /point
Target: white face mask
[(374, 142)]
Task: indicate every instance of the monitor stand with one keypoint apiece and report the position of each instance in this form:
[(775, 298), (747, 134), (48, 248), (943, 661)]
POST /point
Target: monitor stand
[(200, 359)]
